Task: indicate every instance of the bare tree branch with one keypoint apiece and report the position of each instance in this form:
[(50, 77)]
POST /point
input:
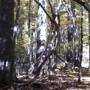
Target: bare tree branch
[(51, 9), (60, 57), (45, 11), (83, 4)]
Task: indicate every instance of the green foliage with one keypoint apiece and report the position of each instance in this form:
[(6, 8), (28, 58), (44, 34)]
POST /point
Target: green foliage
[(20, 48), (23, 39)]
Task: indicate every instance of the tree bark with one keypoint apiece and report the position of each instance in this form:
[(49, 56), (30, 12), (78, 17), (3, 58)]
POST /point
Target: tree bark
[(6, 40), (89, 37), (41, 34), (81, 47)]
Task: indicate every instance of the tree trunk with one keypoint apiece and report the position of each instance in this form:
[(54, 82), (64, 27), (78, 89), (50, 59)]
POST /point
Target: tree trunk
[(6, 40), (89, 37), (70, 30), (81, 47), (41, 35)]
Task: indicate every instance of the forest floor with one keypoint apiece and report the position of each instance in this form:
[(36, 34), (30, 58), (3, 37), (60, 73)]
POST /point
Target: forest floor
[(67, 80)]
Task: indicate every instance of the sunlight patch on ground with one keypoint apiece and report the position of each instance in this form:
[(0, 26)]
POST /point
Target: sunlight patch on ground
[(87, 79)]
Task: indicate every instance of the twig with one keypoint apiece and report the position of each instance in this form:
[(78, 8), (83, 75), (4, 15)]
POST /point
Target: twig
[(83, 4), (51, 9), (45, 11)]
